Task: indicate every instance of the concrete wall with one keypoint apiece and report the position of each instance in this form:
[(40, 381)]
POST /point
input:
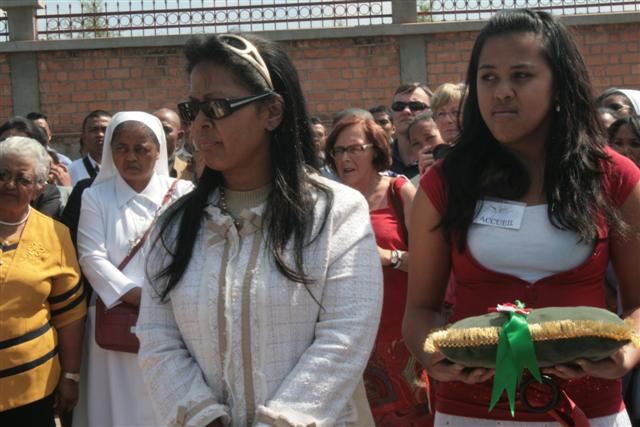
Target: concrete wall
[(338, 68)]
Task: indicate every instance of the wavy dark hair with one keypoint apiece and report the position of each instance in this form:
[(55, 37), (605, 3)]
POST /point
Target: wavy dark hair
[(478, 166), (25, 126), (290, 206)]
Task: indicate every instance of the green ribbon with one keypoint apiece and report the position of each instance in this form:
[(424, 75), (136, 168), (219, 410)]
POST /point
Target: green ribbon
[(515, 352)]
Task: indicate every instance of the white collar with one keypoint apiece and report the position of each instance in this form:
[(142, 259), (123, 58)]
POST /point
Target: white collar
[(93, 162), (124, 192)]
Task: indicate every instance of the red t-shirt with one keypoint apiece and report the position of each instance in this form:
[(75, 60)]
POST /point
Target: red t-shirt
[(478, 288)]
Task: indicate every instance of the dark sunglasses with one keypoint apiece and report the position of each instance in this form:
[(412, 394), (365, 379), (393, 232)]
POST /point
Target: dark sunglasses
[(413, 106), (216, 109)]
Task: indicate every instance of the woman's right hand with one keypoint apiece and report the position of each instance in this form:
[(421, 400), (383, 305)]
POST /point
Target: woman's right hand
[(385, 256), (443, 370)]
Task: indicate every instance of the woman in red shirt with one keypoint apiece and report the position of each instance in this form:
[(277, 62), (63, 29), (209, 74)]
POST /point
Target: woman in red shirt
[(397, 388), (530, 204)]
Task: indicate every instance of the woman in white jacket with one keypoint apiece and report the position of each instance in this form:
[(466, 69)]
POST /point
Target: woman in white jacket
[(265, 282), (116, 210)]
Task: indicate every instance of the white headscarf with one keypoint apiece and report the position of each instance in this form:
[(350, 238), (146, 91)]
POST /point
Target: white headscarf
[(108, 168), (634, 98)]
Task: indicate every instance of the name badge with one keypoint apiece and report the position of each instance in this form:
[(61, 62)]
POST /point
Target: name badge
[(503, 214)]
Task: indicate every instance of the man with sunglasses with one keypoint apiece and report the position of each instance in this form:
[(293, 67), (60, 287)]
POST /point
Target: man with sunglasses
[(409, 100)]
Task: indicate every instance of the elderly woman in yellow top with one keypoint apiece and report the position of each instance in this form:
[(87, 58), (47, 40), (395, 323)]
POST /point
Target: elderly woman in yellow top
[(42, 304)]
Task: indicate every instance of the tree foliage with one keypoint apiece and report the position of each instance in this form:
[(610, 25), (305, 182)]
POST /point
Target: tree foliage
[(92, 22), (424, 11)]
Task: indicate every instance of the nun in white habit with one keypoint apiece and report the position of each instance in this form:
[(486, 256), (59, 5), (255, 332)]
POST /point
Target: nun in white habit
[(116, 211)]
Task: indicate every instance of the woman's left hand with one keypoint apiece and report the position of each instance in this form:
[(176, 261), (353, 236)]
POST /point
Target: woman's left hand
[(66, 396), (613, 367)]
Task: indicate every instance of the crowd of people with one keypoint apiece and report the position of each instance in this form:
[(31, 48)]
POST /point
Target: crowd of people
[(240, 262)]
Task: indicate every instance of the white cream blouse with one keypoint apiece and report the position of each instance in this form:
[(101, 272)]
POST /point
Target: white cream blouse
[(240, 342)]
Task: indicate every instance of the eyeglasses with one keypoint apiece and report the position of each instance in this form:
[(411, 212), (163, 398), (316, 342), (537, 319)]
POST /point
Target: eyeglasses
[(443, 114), (247, 50), (413, 106), (18, 179), (351, 149), (216, 109)]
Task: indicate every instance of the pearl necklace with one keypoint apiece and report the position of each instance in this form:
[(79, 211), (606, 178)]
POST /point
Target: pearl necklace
[(224, 208), (20, 222)]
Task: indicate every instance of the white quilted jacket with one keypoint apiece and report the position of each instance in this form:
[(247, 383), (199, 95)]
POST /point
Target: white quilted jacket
[(239, 342)]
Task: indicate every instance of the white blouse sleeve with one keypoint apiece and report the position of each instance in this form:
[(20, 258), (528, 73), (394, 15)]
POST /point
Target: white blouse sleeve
[(320, 386), (105, 278), (175, 383)]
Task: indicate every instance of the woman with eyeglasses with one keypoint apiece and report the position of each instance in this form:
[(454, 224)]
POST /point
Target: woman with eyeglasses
[(357, 149), (49, 199), (265, 290), (117, 212), (445, 105), (529, 205), (42, 303)]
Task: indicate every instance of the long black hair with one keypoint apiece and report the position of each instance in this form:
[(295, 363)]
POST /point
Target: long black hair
[(479, 167), (289, 209)]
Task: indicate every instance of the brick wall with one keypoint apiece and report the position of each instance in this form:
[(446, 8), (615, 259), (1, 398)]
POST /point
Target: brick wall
[(611, 52), (75, 82), (335, 73), (6, 103), (341, 73), (612, 55)]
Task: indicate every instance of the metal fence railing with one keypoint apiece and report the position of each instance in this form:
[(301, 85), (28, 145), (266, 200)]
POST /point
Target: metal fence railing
[(68, 19), (89, 19), (4, 27), (467, 10)]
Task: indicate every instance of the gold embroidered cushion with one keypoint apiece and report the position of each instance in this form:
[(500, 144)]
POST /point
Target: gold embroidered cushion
[(560, 335)]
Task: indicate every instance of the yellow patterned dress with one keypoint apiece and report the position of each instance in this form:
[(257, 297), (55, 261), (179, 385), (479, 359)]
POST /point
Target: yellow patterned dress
[(39, 292)]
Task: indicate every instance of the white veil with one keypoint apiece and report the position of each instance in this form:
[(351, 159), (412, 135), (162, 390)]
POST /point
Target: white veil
[(107, 167), (634, 98)]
